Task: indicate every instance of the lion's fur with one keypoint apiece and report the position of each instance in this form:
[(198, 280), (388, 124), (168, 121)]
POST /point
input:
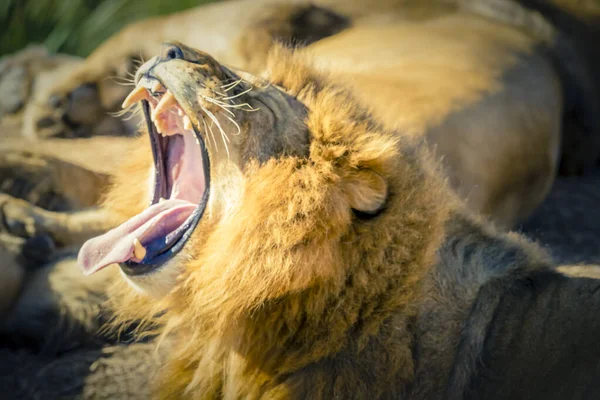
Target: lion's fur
[(483, 81), (291, 295), (307, 255)]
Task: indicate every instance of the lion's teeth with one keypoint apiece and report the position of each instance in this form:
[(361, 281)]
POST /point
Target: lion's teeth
[(180, 112), (187, 123), (162, 199), (137, 94), (139, 251), (167, 101), (157, 87)]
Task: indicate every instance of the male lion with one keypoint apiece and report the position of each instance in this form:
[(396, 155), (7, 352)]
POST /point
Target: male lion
[(284, 243)]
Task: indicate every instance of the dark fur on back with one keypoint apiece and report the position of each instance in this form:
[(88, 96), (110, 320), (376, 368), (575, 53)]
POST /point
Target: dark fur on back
[(542, 341)]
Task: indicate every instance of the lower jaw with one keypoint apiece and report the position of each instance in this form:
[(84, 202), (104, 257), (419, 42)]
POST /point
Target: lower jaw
[(163, 256), (156, 284)]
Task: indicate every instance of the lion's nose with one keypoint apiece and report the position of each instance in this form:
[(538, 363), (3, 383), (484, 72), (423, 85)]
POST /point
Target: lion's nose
[(172, 52)]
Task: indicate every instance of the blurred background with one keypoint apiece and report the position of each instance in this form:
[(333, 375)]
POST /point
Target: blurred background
[(78, 26), (74, 26)]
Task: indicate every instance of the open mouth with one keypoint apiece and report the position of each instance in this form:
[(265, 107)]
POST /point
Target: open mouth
[(181, 187)]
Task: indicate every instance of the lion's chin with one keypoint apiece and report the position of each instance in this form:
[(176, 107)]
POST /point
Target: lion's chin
[(159, 283)]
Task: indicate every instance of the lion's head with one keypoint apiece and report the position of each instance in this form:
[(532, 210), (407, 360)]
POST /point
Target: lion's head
[(272, 211)]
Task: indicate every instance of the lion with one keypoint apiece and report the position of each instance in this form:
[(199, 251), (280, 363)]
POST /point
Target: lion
[(284, 243)]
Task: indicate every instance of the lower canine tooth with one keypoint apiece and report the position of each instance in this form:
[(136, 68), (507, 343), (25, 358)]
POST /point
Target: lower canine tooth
[(187, 123), (139, 251)]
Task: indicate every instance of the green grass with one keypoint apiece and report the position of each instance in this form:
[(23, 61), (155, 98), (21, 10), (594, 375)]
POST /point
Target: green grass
[(74, 26)]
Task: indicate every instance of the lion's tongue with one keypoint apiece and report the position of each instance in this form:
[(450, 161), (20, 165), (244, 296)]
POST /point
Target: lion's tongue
[(117, 246)]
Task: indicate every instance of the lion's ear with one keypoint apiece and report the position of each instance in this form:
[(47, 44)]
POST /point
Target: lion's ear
[(367, 192)]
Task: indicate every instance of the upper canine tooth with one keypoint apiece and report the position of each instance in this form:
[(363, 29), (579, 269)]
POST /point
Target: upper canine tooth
[(137, 94), (139, 251), (187, 123), (167, 101)]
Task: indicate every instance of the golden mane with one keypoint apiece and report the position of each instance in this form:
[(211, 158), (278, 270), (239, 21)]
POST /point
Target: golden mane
[(293, 276)]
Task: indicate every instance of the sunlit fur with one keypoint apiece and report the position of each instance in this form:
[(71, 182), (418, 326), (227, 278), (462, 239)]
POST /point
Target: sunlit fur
[(286, 275), (480, 79)]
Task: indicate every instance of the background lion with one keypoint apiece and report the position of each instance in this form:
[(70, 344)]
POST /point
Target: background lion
[(77, 105)]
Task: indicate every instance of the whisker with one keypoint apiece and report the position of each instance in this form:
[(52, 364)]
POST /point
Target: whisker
[(225, 84), (122, 112), (118, 114), (241, 106), (236, 106), (120, 80), (239, 130), (134, 114), (209, 129), (218, 124), (124, 82), (130, 77), (221, 95), (133, 111), (212, 135), (215, 102), (250, 108), (223, 134), (239, 94), (231, 85)]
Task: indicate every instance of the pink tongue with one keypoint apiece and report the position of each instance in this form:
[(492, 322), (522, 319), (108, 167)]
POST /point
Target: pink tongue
[(116, 246)]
